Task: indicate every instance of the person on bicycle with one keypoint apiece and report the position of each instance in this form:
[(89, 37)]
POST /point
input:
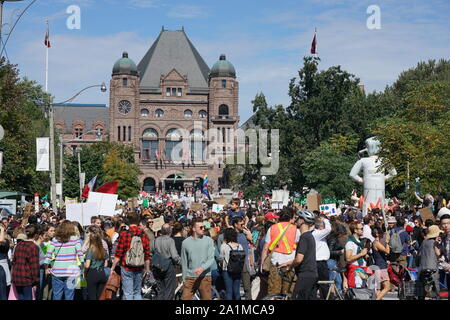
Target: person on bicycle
[(305, 264), (282, 248), (428, 254)]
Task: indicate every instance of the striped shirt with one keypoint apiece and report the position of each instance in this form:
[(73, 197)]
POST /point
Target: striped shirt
[(67, 257)]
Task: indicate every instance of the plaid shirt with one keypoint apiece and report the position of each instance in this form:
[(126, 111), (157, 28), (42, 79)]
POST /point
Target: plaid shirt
[(124, 245), (25, 270)]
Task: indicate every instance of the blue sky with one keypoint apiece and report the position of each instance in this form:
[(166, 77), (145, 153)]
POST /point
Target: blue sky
[(265, 40)]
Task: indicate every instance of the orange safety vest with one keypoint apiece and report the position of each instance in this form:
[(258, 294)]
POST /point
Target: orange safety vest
[(287, 244)]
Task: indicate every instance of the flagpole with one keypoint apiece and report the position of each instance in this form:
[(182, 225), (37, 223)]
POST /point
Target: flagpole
[(46, 64)]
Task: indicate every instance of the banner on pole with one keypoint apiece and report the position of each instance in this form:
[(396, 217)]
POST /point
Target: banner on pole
[(43, 154)]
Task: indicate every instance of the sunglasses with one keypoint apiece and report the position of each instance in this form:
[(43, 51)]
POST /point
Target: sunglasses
[(202, 227)]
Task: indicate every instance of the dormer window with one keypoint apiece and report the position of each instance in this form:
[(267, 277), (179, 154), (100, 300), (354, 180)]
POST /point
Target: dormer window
[(174, 92)]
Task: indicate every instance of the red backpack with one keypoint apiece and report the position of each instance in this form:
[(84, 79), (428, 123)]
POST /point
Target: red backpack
[(396, 273)]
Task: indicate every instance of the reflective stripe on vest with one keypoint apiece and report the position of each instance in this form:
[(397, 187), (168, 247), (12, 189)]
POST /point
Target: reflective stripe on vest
[(289, 234)]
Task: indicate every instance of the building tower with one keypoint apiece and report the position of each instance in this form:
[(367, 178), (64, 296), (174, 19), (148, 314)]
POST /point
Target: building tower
[(124, 102), (223, 104)]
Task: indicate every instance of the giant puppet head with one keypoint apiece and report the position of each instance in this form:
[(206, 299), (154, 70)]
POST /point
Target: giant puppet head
[(373, 146)]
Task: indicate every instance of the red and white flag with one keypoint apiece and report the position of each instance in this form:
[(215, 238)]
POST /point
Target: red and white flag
[(47, 38)]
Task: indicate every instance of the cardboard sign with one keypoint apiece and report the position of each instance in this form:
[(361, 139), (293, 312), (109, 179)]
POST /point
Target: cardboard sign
[(329, 209), (196, 206), (313, 201), (145, 203), (221, 200), (426, 213), (217, 208), (70, 200), (157, 224), (106, 203), (277, 205), (81, 212)]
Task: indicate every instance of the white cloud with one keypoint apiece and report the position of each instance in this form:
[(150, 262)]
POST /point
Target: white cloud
[(144, 3), (187, 12), (79, 61)]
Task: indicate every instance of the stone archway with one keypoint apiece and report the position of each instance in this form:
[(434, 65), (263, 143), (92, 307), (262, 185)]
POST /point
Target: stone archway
[(149, 185)]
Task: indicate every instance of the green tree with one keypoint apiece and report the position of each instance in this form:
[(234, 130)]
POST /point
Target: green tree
[(419, 135), (23, 119), (327, 167), (127, 173), (108, 161)]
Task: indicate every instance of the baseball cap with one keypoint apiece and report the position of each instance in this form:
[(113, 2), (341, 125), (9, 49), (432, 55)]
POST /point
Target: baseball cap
[(270, 215)]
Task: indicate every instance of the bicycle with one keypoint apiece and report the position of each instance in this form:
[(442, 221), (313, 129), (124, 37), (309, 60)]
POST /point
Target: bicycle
[(286, 277), (179, 291)]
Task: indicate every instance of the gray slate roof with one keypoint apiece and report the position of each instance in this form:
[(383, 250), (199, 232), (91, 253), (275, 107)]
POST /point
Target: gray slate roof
[(173, 49), (88, 113)]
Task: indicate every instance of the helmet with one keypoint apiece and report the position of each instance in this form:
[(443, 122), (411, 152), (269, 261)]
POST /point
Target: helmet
[(307, 215)]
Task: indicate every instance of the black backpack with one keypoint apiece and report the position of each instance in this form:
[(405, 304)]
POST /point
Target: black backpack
[(236, 261)]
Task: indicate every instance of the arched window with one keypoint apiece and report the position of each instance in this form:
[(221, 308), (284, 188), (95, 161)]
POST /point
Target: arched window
[(223, 110), (188, 113), (159, 113), (174, 150), (150, 144), (78, 131), (198, 145), (144, 112), (149, 185), (202, 114), (98, 132)]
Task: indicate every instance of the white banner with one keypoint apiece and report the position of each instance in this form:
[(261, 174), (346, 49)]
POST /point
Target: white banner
[(58, 189), (81, 212), (106, 203), (43, 154)]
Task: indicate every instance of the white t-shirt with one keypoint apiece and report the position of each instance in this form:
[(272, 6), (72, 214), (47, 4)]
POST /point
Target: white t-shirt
[(354, 248), (281, 258)]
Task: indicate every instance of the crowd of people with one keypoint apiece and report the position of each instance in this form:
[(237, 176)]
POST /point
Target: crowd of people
[(292, 251)]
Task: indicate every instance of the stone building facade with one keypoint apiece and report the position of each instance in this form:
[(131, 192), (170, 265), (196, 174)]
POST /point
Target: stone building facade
[(164, 106)]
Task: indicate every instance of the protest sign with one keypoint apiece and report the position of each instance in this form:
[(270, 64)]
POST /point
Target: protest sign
[(81, 212), (313, 201), (329, 209), (217, 207), (145, 203), (221, 200), (106, 202), (426, 213), (157, 224), (196, 206)]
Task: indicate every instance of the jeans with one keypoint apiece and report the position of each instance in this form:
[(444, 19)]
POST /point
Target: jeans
[(96, 280), (24, 293), (232, 285), (131, 284), (322, 271), (40, 287), (62, 285), (334, 275), (217, 280)]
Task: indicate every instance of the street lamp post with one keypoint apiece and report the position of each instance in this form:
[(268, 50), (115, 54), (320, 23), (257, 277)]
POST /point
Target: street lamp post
[(52, 146), (1, 18), (61, 155)]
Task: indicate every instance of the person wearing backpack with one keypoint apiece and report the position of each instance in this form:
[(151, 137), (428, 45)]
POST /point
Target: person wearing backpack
[(232, 258), (165, 250), (133, 256), (399, 242)]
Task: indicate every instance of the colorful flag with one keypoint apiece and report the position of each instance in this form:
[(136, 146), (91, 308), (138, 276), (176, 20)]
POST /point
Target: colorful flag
[(205, 186), (90, 186), (313, 45), (110, 187), (47, 38)]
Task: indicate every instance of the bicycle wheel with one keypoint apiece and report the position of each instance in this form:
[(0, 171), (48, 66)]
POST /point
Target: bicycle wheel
[(215, 294), (276, 296)]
